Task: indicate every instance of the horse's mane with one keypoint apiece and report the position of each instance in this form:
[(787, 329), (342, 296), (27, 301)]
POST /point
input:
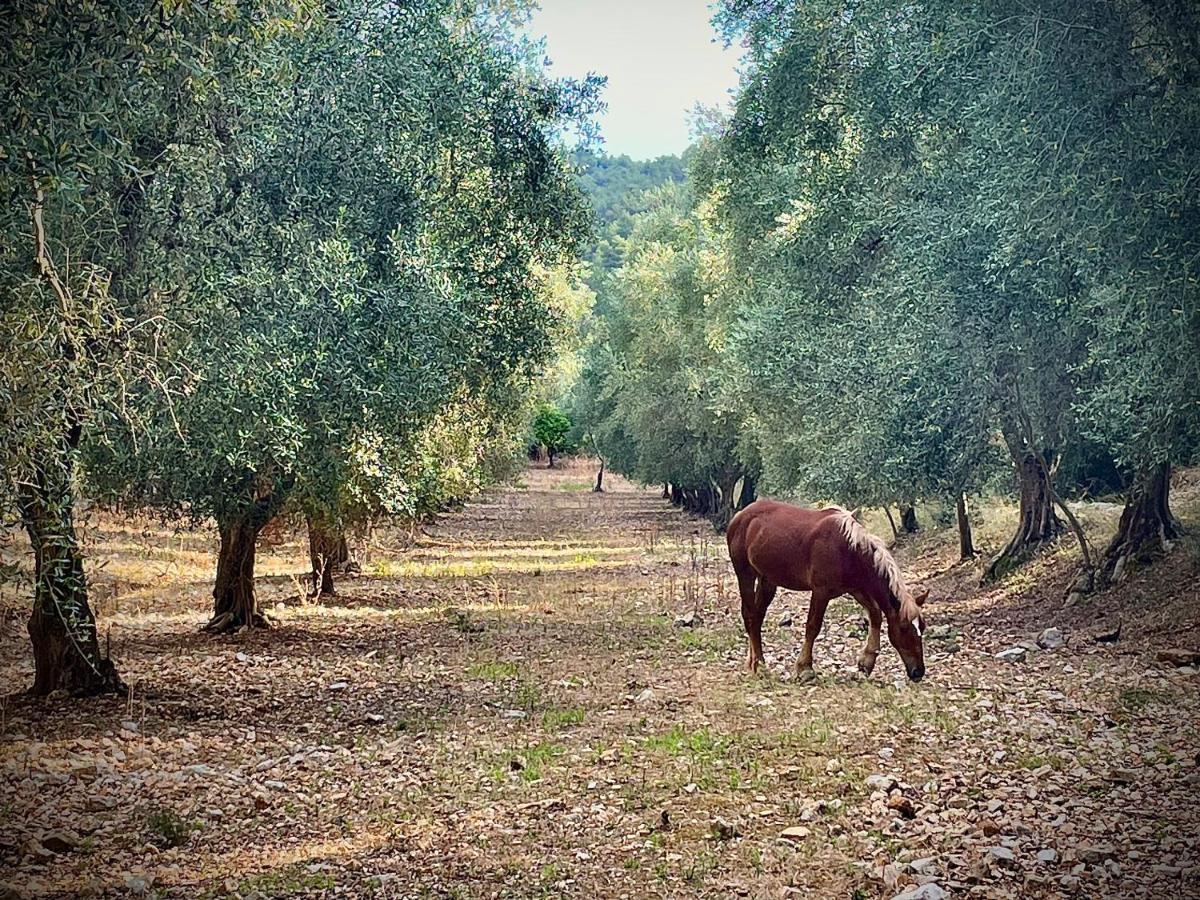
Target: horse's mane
[(881, 558)]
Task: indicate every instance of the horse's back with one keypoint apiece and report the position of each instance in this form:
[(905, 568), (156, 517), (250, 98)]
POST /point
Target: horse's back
[(778, 540)]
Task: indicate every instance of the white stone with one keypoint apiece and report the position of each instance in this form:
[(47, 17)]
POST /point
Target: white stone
[(1051, 639)]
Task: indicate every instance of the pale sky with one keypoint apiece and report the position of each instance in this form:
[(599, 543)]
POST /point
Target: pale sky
[(660, 57)]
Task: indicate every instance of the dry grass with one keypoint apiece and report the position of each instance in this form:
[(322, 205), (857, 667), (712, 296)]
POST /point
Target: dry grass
[(506, 710)]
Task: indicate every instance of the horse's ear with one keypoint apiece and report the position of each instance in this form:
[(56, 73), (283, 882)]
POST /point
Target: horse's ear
[(920, 598), (854, 513)]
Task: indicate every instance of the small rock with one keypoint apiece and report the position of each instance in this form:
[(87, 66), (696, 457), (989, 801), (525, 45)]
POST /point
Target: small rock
[(137, 884), (130, 726), (786, 620), (1047, 856), (1001, 856), (886, 752), (610, 756), (691, 787), (1051, 639), (1095, 853), (923, 892), (902, 805), (994, 806), (337, 686), (795, 834), (1012, 654), (833, 766), (883, 783), (242, 657), (689, 620), (646, 696), (922, 866)]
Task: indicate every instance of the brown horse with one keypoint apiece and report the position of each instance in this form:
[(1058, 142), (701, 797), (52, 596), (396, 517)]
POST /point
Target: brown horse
[(826, 551)]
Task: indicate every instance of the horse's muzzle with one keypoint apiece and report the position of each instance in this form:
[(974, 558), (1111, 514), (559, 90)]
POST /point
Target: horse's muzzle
[(916, 674)]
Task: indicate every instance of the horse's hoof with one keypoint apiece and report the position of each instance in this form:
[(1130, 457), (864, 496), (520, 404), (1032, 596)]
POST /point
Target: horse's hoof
[(806, 676), (866, 666)]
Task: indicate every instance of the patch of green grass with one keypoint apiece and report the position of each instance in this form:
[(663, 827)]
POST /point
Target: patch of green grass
[(556, 719), (573, 487), (494, 670), (1137, 699), (168, 829), (285, 883), (528, 763), (813, 732), (1036, 761), (585, 559), (698, 744), (527, 695)]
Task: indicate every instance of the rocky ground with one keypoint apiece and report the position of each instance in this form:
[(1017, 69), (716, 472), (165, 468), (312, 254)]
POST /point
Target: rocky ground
[(544, 697)]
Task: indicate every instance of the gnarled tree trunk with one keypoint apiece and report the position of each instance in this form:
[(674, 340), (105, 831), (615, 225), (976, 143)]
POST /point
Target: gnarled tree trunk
[(234, 602), (329, 552), (1037, 523), (1147, 527), (966, 544), (62, 629), (887, 511)]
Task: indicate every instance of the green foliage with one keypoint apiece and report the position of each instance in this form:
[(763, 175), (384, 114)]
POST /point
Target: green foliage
[(617, 187), (362, 332), (893, 262), (550, 429), (653, 388)]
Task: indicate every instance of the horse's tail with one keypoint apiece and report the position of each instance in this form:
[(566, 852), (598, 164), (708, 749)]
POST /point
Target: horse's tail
[(877, 553)]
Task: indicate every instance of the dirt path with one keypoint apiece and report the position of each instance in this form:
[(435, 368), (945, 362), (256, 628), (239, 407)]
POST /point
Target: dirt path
[(510, 710)]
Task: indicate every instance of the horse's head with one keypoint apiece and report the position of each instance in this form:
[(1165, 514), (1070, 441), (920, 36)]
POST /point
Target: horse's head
[(905, 627)]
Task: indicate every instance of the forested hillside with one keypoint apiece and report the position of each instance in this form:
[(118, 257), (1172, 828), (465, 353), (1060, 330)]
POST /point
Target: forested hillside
[(617, 188)]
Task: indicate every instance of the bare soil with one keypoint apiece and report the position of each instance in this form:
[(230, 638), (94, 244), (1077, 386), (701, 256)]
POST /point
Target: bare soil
[(507, 708)]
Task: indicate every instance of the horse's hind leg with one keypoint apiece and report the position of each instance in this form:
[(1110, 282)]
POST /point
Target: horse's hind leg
[(764, 593), (870, 652), (750, 616), (816, 617)]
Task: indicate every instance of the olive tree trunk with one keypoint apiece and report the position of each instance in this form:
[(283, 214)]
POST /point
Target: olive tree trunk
[(966, 544), (1037, 523), (329, 552), (62, 629), (234, 602), (1147, 527)]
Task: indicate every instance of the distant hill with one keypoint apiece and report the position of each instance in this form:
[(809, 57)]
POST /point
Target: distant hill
[(615, 185)]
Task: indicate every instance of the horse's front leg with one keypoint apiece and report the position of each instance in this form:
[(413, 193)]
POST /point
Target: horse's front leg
[(866, 659), (816, 617)]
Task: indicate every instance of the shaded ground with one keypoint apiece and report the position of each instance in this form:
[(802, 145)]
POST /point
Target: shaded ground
[(508, 710)]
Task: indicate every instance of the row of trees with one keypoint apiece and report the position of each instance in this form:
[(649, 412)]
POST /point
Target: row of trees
[(931, 236), (261, 257)]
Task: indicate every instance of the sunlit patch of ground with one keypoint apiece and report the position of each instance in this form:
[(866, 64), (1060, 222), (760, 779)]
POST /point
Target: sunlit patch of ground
[(506, 709)]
